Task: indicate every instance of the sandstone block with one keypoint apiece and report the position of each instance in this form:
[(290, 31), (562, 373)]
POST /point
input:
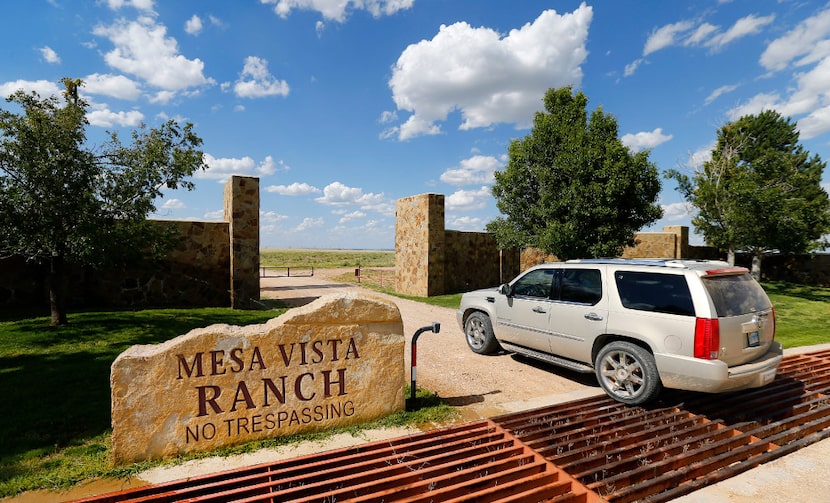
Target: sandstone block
[(336, 362)]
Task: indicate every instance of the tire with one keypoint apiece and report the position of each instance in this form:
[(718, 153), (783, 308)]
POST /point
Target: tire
[(628, 373), (479, 334)]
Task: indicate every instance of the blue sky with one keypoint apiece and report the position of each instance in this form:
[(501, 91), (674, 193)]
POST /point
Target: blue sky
[(341, 107)]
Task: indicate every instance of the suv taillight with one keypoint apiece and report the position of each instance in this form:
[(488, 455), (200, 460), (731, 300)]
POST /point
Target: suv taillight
[(774, 325), (707, 338)]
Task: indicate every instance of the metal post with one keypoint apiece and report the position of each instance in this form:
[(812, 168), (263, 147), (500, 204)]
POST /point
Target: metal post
[(435, 327)]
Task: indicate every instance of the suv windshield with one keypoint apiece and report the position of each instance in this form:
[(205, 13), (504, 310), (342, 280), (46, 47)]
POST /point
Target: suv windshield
[(736, 295)]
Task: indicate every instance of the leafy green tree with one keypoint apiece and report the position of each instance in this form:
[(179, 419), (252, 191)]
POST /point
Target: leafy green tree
[(571, 188), (761, 191), (64, 203)]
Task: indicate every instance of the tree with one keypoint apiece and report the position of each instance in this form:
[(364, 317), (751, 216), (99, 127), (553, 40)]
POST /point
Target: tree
[(63, 203), (761, 191), (571, 188)]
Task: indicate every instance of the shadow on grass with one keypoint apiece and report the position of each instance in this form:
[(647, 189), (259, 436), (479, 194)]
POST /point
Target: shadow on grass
[(805, 292)]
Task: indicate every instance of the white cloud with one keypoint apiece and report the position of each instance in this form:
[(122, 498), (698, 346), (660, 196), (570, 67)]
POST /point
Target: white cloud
[(49, 55), (222, 169), (487, 77), (749, 25), (467, 200), (271, 217), (102, 116), (193, 26), (295, 189), (143, 5), (676, 211), (44, 88), (351, 216), (174, 204), (473, 171), (256, 82), (717, 93), (116, 86), (337, 10), (465, 223), (310, 223), (666, 36), (645, 140), (337, 194), (806, 43), (143, 49)]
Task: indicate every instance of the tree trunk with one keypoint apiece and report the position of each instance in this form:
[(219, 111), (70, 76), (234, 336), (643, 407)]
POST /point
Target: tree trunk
[(756, 265), (730, 256), (57, 291)]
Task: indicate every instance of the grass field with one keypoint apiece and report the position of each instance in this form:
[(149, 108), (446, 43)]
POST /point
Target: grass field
[(326, 259)]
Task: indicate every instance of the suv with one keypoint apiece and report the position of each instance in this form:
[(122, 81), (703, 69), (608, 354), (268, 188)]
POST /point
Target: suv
[(640, 325)]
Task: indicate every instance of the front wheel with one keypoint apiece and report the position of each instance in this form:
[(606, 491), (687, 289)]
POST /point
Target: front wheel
[(627, 373), (479, 333)]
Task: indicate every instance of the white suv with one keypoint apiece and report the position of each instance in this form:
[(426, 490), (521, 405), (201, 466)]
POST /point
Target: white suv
[(640, 325)]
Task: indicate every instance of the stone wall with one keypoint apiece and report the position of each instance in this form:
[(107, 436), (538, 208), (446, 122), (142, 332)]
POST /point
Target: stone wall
[(430, 260), (210, 266)]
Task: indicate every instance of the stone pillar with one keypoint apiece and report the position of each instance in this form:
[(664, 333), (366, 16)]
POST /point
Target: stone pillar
[(420, 245), (681, 249), (242, 214)]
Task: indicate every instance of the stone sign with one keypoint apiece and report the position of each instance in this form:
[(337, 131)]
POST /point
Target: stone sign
[(336, 362)]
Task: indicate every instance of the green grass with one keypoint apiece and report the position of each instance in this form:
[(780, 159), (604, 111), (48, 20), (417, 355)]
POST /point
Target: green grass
[(54, 382), (802, 313), (326, 259)]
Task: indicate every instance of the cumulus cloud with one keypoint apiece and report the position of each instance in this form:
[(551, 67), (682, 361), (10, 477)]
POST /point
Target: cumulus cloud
[(465, 223), (473, 171), (102, 116), (310, 223), (351, 216), (645, 139), (49, 55), (44, 88), (256, 82), (143, 49), (338, 194), (193, 26), (487, 77), (116, 86), (468, 200), (676, 211), (174, 204), (338, 10), (222, 169), (294, 189)]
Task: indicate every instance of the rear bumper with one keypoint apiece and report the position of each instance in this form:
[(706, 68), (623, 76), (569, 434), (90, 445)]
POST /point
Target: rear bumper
[(714, 376)]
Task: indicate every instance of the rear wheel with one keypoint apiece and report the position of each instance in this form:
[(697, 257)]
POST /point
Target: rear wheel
[(479, 333), (628, 373)]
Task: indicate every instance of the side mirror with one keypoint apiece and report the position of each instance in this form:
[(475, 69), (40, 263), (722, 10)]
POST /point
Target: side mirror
[(505, 290)]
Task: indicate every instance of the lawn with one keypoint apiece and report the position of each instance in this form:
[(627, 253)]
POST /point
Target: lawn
[(55, 429), (326, 259)]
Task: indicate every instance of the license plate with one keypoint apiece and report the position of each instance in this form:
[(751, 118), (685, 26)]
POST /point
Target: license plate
[(754, 339)]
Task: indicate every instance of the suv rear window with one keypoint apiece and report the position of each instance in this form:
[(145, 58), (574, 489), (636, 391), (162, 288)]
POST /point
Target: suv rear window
[(658, 293), (735, 295)]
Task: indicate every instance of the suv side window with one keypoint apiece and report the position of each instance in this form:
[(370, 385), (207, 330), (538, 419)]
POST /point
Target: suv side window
[(582, 286), (659, 293), (534, 284)]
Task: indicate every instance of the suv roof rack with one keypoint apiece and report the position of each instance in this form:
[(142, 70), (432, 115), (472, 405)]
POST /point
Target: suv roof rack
[(658, 262)]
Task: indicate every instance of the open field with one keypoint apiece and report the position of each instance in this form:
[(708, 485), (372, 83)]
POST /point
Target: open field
[(326, 259)]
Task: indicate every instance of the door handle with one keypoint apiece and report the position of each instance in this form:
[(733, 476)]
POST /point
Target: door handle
[(539, 310), (593, 317)]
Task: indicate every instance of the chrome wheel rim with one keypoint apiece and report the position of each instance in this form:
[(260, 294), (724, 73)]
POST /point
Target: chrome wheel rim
[(475, 333), (622, 374)]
